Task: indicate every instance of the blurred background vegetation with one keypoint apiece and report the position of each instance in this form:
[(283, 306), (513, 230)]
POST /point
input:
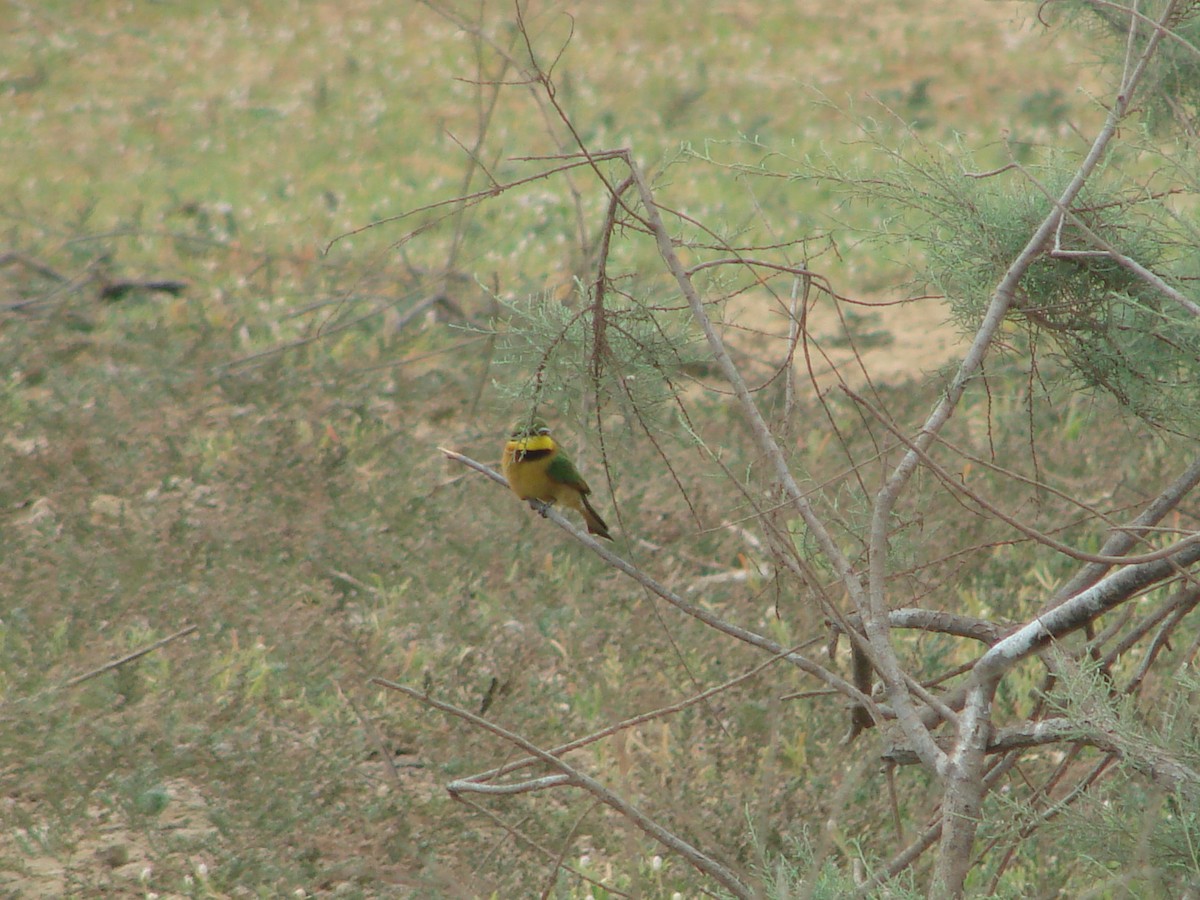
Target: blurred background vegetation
[(222, 400)]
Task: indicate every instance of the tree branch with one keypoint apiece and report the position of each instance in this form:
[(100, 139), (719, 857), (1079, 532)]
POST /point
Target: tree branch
[(573, 776)]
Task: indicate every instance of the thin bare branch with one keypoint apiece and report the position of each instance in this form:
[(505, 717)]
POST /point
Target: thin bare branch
[(545, 851), (668, 839), (631, 722), (956, 485), (697, 612), (129, 657)]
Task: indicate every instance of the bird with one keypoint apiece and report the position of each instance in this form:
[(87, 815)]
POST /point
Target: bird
[(537, 468)]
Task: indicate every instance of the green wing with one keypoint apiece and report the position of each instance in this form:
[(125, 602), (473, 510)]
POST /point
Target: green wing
[(563, 471)]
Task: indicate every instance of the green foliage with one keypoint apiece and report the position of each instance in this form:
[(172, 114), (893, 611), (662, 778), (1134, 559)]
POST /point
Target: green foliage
[(1115, 331), (628, 349), (795, 868), (1174, 88), (1128, 830), (1172, 84)]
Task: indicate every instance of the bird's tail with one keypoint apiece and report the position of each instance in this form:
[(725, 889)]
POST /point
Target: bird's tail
[(595, 524)]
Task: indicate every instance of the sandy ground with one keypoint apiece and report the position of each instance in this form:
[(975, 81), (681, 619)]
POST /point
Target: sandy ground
[(894, 342)]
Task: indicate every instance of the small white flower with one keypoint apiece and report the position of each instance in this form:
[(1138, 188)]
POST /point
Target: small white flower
[(656, 864)]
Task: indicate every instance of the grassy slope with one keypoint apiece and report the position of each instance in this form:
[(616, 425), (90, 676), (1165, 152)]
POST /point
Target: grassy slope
[(295, 509)]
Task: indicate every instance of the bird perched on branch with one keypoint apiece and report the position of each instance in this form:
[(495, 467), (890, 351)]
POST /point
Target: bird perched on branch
[(537, 469)]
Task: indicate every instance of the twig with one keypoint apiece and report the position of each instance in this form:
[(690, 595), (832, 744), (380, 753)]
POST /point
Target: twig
[(957, 486), (477, 195), (1122, 540), (942, 622), (560, 860), (545, 851), (529, 786), (631, 722), (1178, 604), (1161, 638), (351, 580), (697, 612), (130, 657), (1106, 251), (373, 733), (46, 271), (668, 839)]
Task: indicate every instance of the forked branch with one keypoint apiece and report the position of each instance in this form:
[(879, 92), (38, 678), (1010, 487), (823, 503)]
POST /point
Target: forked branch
[(572, 776)]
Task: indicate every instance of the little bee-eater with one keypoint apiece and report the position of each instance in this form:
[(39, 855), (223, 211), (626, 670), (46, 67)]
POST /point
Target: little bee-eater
[(537, 469)]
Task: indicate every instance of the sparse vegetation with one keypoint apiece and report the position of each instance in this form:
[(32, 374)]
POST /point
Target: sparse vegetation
[(227, 529)]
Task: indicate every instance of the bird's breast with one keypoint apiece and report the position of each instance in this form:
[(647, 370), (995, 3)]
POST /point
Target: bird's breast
[(526, 471)]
